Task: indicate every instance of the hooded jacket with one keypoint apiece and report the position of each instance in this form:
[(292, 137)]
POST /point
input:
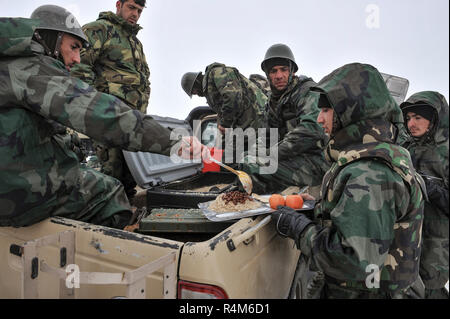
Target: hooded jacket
[(370, 213), (115, 62), (38, 171), (429, 154)]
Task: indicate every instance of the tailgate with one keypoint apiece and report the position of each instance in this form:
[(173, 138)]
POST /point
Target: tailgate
[(97, 249)]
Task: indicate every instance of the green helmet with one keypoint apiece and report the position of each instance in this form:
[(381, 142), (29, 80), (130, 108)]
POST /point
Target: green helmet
[(278, 52), (58, 19), (188, 80)]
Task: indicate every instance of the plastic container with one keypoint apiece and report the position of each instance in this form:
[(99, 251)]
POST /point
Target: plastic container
[(209, 166)]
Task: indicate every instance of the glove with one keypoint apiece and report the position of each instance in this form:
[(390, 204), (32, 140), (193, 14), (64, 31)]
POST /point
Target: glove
[(290, 223), (437, 195)]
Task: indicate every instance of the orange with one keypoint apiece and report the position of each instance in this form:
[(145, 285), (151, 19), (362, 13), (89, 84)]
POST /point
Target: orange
[(294, 201), (275, 200)]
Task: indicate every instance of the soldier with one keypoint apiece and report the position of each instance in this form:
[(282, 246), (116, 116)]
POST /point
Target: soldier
[(365, 234), (292, 109), (238, 102), (115, 63), (41, 176), (426, 118)]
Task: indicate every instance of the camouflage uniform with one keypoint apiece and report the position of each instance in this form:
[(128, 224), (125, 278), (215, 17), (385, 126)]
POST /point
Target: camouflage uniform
[(300, 140), (238, 102), (40, 175), (371, 207), (261, 82), (429, 154), (115, 64)]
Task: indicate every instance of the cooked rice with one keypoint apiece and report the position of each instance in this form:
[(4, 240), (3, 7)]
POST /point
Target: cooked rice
[(220, 206)]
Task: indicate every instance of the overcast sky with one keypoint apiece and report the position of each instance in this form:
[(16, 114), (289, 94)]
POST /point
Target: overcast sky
[(407, 38)]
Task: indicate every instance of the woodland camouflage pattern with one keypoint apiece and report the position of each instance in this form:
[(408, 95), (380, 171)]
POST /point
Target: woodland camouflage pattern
[(429, 154), (115, 62), (300, 140), (40, 175), (371, 205), (237, 101)]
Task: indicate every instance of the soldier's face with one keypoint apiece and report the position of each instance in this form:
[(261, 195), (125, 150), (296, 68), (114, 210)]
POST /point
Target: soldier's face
[(279, 76), (129, 11), (325, 119), (70, 50), (417, 125)]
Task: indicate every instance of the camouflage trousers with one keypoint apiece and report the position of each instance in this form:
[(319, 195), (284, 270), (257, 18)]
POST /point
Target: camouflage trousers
[(299, 171), (113, 163), (334, 290), (97, 198)]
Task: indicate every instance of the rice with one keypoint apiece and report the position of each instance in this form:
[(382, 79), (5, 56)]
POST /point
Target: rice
[(221, 206)]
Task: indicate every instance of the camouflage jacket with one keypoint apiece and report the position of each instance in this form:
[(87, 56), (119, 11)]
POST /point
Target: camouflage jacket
[(237, 101), (36, 166), (115, 61), (294, 113), (429, 154), (370, 213)]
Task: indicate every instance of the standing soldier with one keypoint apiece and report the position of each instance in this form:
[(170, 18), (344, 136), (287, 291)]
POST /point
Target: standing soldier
[(40, 175), (366, 230), (426, 118), (115, 64), (293, 110), (238, 102)]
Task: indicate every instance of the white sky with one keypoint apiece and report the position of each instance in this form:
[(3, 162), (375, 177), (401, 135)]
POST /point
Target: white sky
[(410, 38)]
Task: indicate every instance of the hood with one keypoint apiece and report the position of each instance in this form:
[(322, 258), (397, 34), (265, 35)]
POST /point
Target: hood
[(115, 19), (440, 125), (358, 92), (214, 65), (366, 113), (15, 37), (207, 72)]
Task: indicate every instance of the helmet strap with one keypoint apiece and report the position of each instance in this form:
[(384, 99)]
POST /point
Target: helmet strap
[(58, 45), (55, 54), (42, 42)]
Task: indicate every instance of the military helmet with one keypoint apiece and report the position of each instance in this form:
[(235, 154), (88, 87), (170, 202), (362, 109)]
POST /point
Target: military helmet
[(58, 19), (188, 80), (278, 51)]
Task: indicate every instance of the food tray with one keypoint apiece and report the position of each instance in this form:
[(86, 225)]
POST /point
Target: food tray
[(264, 209)]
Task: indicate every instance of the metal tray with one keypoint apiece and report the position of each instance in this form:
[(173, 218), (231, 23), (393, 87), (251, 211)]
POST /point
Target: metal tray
[(264, 209)]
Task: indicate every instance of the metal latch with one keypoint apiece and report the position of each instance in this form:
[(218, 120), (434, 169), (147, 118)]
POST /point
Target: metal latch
[(245, 237), (16, 250)]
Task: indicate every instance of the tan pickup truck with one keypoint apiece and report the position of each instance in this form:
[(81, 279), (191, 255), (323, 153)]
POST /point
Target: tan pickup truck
[(176, 253)]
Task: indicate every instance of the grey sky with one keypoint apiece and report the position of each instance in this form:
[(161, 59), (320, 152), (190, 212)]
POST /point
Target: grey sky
[(411, 39)]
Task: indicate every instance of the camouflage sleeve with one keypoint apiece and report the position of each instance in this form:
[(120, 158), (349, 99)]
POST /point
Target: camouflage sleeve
[(363, 204), (71, 102), (85, 70), (229, 87), (307, 136)]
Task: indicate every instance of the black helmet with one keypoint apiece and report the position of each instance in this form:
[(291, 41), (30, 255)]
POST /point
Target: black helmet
[(188, 80), (278, 52), (58, 19)]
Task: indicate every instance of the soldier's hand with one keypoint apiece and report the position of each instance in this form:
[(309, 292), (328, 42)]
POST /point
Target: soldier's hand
[(290, 223), (192, 148)]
